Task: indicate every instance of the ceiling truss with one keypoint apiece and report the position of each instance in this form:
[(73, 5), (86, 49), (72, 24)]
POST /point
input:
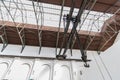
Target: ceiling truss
[(71, 38)]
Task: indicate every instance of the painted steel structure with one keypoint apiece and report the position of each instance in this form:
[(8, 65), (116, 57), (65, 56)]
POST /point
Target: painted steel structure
[(38, 34)]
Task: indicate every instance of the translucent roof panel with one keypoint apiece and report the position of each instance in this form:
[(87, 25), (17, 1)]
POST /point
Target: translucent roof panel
[(23, 11)]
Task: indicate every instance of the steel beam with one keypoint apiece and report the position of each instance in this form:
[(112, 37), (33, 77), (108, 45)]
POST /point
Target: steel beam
[(61, 13), (22, 37), (77, 20), (67, 25), (73, 32), (3, 36), (37, 21), (92, 5)]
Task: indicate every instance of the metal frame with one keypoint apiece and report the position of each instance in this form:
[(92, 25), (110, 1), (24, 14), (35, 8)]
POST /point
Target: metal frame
[(114, 31), (61, 13), (19, 31), (45, 58), (3, 37), (92, 5), (67, 25), (3, 34), (38, 10), (73, 32), (38, 16)]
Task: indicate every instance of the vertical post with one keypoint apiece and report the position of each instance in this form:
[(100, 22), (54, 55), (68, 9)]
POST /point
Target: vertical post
[(3, 37), (37, 21), (21, 36)]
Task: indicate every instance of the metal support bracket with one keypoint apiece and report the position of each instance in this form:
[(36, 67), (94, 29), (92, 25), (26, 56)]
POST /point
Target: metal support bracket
[(3, 37), (39, 18), (19, 31), (61, 57), (84, 56), (21, 34)]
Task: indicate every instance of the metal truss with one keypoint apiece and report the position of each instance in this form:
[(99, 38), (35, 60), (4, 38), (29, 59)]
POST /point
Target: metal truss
[(90, 38), (74, 32), (89, 7), (19, 27), (38, 11), (61, 13), (3, 34), (108, 37), (67, 25), (67, 19)]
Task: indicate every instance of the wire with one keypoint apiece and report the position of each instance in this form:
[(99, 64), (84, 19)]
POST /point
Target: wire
[(105, 67), (98, 67)]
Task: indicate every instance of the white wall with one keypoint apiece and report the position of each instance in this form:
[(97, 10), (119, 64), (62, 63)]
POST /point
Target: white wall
[(39, 69), (111, 58)]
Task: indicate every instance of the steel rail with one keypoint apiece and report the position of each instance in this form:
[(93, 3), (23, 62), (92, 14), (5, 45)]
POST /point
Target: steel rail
[(43, 58), (101, 16)]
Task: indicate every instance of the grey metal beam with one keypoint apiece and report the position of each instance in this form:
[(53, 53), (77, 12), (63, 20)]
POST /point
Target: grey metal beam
[(17, 27), (90, 8), (61, 13), (44, 58), (37, 21), (67, 25)]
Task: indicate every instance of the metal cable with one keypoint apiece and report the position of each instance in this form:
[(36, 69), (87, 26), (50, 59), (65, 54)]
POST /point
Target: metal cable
[(105, 67), (98, 67), (23, 45)]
